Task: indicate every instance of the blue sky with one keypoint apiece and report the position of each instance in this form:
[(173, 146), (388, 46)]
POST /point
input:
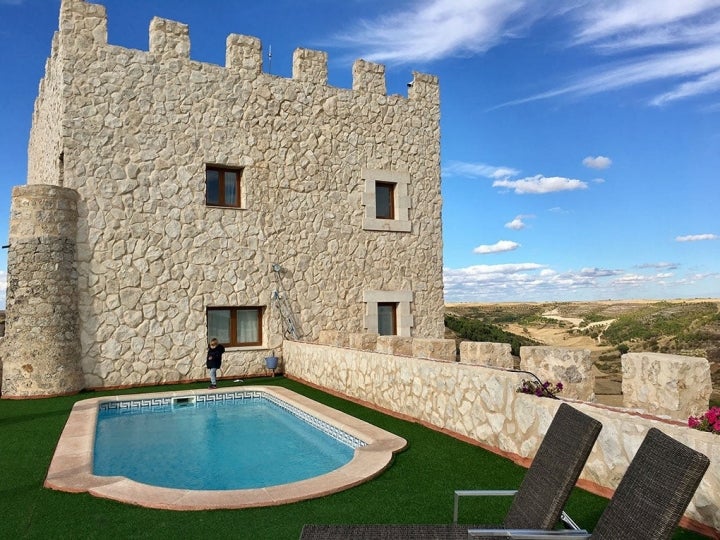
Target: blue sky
[(580, 138)]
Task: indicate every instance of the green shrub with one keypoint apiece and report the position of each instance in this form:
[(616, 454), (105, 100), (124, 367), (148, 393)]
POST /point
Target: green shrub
[(474, 330)]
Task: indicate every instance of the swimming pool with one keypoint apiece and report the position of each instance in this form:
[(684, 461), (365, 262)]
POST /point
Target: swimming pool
[(236, 440), (71, 468)]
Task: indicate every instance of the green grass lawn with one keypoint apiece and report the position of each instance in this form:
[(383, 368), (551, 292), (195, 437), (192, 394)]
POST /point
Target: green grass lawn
[(417, 488)]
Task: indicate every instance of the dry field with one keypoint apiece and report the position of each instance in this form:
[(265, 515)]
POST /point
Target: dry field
[(686, 327)]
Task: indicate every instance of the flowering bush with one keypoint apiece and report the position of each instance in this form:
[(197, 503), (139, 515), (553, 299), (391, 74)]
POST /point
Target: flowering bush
[(541, 390), (710, 421)]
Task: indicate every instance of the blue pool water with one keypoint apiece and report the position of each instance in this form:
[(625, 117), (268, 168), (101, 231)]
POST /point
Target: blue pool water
[(217, 445)]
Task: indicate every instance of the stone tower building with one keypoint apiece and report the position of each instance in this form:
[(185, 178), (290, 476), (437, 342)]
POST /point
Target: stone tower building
[(169, 201)]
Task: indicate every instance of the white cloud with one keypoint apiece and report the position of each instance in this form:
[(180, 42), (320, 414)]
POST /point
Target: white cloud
[(692, 279), (678, 40), (634, 280), (597, 162), (537, 282), (435, 29), (477, 170), (704, 85), (598, 272), (650, 40), (509, 281), (483, 273), (541, 184), (498, 247), (695, 62), (696, 237), (660, 265), (603, 20), (516, 224)]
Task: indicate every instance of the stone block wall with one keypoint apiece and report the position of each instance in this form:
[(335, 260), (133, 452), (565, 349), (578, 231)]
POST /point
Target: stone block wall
[(486, 354), (363, 341), (666, 384), (439, 349), (334, 338), (399, 345), (481, 403), (131, 132), (571, 367)]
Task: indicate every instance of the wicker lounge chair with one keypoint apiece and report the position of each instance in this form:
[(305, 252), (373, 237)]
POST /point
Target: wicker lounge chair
[(651, 498), (537, 504)]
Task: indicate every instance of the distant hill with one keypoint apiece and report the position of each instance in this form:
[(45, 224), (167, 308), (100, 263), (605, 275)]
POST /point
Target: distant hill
[(607, 328), (471, 329)]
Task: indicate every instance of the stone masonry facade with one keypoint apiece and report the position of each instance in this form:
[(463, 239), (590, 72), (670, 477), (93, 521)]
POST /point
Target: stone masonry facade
[(128, 135)]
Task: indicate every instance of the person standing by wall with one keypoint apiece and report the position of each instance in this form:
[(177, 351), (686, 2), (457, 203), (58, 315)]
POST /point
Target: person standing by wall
[(214, 360)]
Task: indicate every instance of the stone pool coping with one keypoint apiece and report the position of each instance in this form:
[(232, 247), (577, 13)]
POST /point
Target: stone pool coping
[(71, 466)]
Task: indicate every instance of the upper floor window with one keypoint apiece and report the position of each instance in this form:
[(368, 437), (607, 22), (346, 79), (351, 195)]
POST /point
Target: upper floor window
[(235, 326), (222, 186), (384, 200)]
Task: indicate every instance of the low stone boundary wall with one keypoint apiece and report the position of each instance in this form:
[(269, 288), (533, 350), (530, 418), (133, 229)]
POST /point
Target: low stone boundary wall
[(660, 384), (440, 349), (571, 367), (364, 342), (486, 354), (481, 404), (399, 345), (668, 384)]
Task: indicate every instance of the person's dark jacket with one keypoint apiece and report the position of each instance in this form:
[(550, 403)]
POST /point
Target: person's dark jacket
[(214, 356)]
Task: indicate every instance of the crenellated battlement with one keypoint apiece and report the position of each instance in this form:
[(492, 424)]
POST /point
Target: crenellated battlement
[(83, 26), (244, 54), (310, 66), (169, 39), (84, 23)]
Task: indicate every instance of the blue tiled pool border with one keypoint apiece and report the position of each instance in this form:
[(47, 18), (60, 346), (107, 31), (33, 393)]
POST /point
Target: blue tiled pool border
[(136, 405)]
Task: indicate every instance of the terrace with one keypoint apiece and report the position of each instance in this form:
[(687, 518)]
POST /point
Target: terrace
[(417, 488)]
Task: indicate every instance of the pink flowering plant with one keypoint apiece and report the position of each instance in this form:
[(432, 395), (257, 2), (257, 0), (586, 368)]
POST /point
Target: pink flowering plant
[(539, 389), (710, 421)]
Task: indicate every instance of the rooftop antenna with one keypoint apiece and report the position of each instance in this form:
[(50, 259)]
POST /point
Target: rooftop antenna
[(270, 59)]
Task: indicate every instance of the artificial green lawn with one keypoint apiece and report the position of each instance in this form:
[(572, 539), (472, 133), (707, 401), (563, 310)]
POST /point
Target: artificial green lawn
[(417, 488)]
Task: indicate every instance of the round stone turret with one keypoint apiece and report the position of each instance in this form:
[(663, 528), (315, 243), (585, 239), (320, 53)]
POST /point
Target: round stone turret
[(41, 349)]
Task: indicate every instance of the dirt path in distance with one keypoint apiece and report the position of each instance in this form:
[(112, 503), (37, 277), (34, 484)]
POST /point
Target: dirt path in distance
[(608, 384)]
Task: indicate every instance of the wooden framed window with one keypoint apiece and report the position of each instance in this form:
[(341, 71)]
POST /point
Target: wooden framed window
[(222, 186), (384, 200), (387, 318), (235, 326)]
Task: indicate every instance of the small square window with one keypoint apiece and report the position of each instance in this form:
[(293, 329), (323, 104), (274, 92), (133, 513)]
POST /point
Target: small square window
[(387, 318), (235, 326), (222, 186), (388, 313), (384, 200)]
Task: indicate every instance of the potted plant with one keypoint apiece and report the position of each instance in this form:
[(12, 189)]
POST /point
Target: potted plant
[(271, 362)]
